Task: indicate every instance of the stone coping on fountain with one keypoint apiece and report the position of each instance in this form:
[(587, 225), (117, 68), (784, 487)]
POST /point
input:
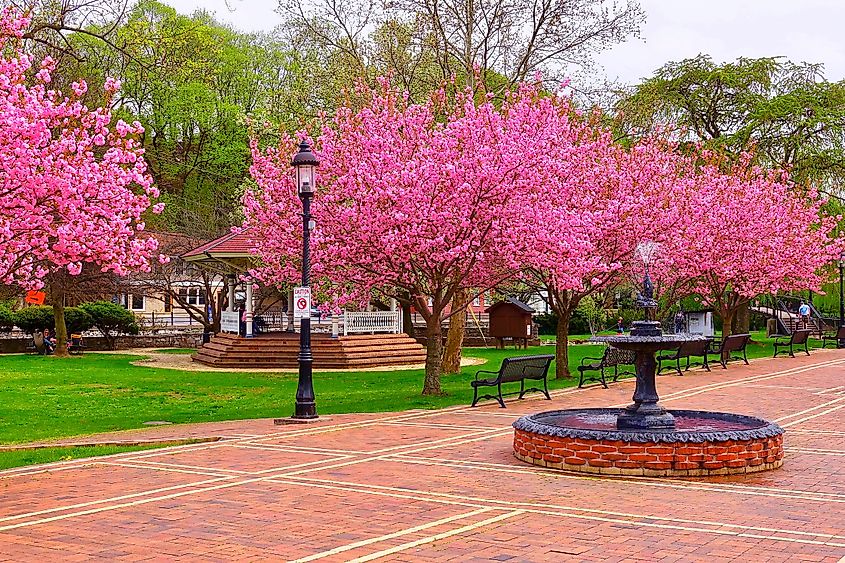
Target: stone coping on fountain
[(675, 339), (696, 452), (691, 426)]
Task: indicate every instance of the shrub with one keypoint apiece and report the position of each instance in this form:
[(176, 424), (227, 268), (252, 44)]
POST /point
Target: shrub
[(77, 320), (111, 319), (7, 319), (546, 323), (31, 319)]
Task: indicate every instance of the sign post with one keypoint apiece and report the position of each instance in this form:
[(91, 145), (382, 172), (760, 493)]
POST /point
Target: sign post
[(302, 302)]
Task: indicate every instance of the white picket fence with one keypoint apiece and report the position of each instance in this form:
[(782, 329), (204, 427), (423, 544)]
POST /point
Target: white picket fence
[(372, 321)]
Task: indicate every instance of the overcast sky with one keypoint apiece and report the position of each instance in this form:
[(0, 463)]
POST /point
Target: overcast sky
[(800, 30)]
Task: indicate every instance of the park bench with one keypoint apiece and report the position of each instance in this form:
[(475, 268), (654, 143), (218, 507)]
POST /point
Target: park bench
[(514, 369), (797, 338), (838, 336), (730, 347), (76, 345), (687, 351), (612, 358)]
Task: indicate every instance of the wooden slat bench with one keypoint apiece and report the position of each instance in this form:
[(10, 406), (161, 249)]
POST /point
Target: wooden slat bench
[(514, 369)]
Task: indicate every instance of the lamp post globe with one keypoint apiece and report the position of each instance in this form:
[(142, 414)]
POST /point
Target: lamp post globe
[(305, 165)]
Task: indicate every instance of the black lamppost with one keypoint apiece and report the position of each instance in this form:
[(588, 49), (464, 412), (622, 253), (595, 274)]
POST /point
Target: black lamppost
[(305, 164), (841, 343)]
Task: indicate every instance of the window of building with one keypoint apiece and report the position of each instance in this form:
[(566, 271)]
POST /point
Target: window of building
[(136, 301), (192, 295)]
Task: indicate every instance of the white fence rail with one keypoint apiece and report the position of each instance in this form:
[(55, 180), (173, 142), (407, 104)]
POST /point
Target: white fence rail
[(372, 321)]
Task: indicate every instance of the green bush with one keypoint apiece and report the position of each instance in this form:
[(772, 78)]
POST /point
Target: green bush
[(7, 319), (77, 320), (111, 319), (546, 323), (31, 319)]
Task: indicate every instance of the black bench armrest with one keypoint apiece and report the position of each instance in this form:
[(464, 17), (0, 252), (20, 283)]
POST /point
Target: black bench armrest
[(485, 371), (589, 358)]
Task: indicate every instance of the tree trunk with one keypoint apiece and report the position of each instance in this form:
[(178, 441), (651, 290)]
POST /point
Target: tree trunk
[(407, 319), (433, 356), (61, 327), (455, 336), (727, 322), (742, 320), (562, 345)]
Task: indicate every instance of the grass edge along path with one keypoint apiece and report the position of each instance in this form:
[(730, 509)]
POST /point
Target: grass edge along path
[(34, 456), (49, 398)]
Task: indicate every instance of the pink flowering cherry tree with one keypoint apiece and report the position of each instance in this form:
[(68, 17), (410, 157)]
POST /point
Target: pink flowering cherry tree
[(752, 231), (427, 199), (73, 184), (606, 200)]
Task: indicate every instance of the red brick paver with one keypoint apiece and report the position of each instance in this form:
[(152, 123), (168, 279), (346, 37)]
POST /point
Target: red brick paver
[(444, 486)]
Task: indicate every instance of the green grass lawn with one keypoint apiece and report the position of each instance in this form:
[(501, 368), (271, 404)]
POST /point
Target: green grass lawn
[(17, 458), (46, 397)]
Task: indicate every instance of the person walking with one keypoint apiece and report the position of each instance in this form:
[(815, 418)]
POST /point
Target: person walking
[(804, 313), (620, 328)]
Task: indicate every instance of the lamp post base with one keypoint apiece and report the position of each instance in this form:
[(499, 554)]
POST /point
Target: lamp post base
[(305, 411), (293, 420)]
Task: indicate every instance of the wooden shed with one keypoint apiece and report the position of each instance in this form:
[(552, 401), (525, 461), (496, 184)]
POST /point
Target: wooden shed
[(510, 319)]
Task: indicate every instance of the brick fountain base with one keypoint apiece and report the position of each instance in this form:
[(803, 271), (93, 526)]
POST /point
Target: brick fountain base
[(702, 444)]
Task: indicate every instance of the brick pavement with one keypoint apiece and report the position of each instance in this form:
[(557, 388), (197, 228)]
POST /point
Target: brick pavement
[(444, 485)]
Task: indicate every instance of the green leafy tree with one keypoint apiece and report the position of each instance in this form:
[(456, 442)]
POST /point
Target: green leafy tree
[(111, 320), (787, 112), (593, 311)]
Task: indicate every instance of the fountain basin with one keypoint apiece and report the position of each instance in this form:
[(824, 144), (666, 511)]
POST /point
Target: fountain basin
[(702, 443)]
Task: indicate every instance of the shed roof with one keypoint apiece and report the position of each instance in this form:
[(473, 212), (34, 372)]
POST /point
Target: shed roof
[(511, 301)]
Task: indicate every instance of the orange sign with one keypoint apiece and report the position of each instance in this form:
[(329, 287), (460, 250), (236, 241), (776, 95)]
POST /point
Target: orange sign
[(35, 297)]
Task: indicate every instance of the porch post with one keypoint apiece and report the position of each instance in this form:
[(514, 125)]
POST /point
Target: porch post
[(232, 282), (249, 309)]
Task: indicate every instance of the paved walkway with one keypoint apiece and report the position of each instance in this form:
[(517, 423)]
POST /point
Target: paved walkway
[(443, 485)]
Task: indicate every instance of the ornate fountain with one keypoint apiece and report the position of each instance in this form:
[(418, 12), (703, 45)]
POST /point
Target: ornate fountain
[(644, 438)]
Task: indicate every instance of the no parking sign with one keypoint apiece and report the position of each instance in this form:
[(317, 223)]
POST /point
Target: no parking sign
[(301, 302)]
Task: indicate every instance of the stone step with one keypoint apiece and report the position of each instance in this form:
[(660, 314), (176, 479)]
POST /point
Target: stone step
[(279, 350)]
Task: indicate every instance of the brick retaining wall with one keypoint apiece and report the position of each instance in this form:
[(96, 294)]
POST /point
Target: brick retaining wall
[(681, 459)]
